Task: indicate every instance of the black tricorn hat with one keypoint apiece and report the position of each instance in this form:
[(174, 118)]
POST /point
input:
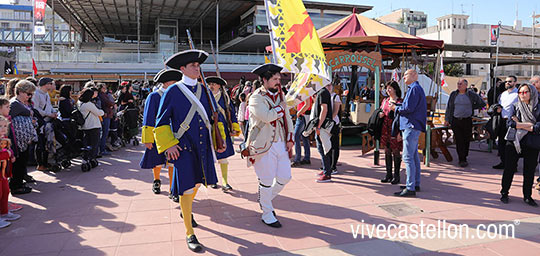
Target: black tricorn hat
[(185, 57), (268, 67), (166, 75), (216, 80)]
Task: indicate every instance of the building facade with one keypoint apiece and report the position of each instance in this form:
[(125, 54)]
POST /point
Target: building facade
[(404, 19), (455, 29)]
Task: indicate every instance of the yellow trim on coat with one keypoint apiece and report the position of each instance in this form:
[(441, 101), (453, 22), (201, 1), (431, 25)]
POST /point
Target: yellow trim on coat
[(147, 134), (164, 138)]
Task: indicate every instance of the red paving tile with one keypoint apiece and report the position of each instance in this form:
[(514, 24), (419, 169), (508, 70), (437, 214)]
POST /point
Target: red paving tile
[(112, 211)]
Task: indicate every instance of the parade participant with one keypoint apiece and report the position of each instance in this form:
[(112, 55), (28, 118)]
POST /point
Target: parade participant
[(227, 116), (269, 139), (151, 159), (183, 132)]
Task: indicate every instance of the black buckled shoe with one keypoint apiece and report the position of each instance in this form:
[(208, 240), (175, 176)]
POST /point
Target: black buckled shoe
[(274, 224), (193, 222), (214, 186), (226, 188), (156, 187), (193, 244), (174, 198)]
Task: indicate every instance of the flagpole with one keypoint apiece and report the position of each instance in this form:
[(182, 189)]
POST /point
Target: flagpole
[(33, 38), (496, 63)]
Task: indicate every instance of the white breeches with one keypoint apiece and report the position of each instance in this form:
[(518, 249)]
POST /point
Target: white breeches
[(273, 171)]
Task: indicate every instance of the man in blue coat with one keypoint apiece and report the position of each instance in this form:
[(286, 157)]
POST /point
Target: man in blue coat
[(184, 132), (151, 158), (228, 126), (412, 121)]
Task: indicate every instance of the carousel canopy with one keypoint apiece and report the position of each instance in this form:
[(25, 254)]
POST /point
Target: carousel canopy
[(356, 32)]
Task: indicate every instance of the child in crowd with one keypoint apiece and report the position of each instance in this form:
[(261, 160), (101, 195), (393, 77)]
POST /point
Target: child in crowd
[(5, 172), (4, 111)]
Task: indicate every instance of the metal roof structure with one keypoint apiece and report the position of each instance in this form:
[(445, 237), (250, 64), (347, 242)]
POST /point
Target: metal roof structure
[(118, 18)]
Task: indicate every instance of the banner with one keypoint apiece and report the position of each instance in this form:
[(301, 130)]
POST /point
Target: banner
[(296, 46), (395, 75), (39, 17), (494, 34), (443, 82)]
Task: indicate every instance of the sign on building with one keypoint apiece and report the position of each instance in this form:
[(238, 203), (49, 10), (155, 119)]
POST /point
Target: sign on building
[(494, 34), (39, 17)]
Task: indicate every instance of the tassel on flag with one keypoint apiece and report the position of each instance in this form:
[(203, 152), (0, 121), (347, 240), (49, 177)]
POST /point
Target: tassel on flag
[(34, 67), (443, 83)]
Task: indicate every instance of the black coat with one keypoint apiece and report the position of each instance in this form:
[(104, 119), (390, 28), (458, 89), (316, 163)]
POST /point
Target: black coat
[(375, 124)]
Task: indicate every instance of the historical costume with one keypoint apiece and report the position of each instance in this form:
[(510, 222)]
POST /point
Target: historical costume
[(151, 158), (228, 125), (183, 129), (269, 139)]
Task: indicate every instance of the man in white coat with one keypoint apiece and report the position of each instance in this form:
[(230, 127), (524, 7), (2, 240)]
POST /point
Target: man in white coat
[(269, 139)]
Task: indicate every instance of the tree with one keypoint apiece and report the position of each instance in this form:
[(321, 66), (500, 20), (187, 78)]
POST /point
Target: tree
[(401, 20), (454, 69)]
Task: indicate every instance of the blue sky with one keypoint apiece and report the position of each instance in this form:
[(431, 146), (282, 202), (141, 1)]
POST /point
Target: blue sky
[(483, 11)]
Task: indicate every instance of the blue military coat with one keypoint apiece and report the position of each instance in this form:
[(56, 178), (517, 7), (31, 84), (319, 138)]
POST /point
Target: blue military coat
[(196, 161), (151, 157), (222, 119)]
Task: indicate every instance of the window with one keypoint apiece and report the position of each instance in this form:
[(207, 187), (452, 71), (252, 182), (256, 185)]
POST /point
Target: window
[(24, 26), (5, 25)]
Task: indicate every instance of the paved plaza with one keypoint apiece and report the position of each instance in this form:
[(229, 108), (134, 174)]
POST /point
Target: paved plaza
[(111, 210)]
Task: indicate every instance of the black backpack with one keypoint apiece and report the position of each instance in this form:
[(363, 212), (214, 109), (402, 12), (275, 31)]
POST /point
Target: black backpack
[(78, 117)]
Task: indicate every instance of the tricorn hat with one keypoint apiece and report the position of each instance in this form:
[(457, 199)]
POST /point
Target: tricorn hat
[(268, 67), (166, 75), (216, 80), (185, 57)]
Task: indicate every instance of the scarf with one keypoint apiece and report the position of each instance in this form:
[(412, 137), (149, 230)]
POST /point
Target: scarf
[(525, 115)]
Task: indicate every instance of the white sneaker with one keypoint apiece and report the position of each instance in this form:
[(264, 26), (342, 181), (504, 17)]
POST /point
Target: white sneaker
[(334, 172), (4, 223), (10, 216)]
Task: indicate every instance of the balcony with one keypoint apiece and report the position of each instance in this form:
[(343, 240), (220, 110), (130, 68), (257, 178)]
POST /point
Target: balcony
[(20, 37)]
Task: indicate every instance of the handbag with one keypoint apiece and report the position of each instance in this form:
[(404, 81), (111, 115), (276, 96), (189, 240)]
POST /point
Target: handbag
[(510, 134)]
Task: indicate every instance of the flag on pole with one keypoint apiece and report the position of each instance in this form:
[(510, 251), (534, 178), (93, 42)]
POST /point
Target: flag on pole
[(34, 67), (15, 70), (395, 75), (296, 46), (443, 83)]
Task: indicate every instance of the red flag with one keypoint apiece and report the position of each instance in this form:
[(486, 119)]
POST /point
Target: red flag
[(34, 67), (443, 82)]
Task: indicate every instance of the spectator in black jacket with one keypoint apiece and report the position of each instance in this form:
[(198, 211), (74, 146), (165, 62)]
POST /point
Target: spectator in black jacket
[(459, 111), (107, 104)]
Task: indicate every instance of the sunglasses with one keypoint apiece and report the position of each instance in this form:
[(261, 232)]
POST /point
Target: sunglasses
[(29, 94), (523, 92)]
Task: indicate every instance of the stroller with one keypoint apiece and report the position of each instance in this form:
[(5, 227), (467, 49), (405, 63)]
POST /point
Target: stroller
[(128, 125), (55, 139), (74, 147)]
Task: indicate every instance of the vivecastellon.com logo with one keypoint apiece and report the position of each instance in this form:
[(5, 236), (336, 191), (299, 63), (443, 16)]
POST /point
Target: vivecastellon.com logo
[(441, 230)]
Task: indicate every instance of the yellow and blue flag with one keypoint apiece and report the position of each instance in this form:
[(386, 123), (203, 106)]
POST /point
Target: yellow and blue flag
[(296, 46)]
